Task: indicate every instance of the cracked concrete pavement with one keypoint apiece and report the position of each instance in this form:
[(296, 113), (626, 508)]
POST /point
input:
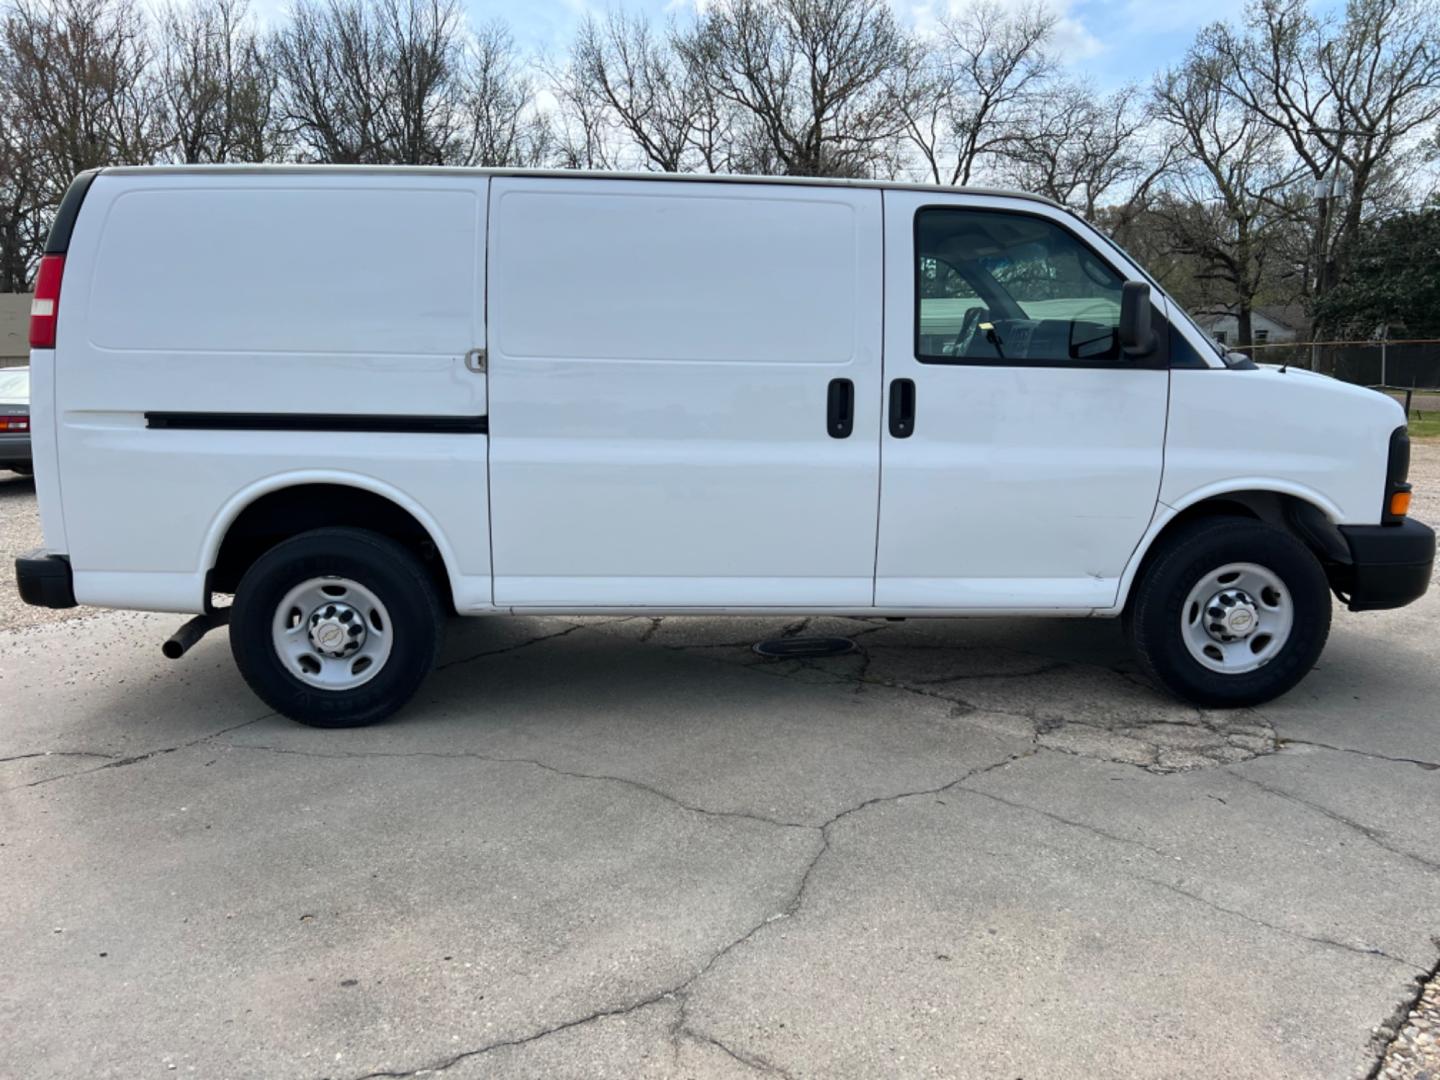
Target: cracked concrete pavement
[(631, 848)]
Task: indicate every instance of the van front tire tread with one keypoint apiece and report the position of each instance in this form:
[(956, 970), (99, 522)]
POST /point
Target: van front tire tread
[(1152, 618)]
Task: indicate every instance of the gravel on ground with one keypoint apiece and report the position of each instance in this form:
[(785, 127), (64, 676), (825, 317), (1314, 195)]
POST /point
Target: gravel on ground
[(20, 533)]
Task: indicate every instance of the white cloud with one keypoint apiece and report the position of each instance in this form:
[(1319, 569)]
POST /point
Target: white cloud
[(1073, 40)]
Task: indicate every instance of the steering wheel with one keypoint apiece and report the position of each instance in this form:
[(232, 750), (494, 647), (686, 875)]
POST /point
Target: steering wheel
[(968, 325)]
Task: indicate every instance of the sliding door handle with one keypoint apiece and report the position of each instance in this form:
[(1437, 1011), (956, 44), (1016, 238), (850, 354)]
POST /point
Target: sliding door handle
[(902, 408), (840, 411)]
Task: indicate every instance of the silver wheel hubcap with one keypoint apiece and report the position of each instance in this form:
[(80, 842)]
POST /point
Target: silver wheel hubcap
[(332, 633), (1237, 618)]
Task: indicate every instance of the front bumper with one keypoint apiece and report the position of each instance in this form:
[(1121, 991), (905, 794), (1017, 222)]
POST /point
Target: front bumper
[(1390, 565), (45, 579)]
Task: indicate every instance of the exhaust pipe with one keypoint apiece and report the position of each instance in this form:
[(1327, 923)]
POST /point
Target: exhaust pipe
[(184, 639)]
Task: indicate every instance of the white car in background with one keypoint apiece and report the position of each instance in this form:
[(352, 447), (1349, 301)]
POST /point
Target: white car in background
[(15, 420)]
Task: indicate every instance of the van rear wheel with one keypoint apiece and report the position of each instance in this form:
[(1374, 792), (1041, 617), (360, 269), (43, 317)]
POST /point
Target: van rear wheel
[(336, 627), (1230, 612)]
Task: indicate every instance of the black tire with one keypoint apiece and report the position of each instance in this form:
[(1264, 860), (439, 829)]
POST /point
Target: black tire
[(379, 564), (1153, 616)]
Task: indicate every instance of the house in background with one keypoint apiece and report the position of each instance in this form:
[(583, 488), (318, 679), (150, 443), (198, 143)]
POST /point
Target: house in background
[(1268, 325)]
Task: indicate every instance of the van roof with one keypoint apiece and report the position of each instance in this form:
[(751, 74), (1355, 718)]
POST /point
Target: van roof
[(450, 170)]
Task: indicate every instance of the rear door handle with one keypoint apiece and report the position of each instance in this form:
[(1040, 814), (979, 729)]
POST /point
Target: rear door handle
[(902, 408), (840, 413)]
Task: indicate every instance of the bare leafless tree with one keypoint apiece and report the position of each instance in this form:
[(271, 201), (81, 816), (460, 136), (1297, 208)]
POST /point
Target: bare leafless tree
[(373, 81), (808, 80), (643, 86), (217, 86), (76, 93), (22, 192), (1351, 94), (80, 71), (1230, 196), (973, 85), (581, 123), (504, 127), (423, 47), (328, 61), (1084, 149)]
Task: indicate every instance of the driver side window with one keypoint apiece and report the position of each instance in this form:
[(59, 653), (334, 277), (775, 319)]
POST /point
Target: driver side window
[(998, 287)]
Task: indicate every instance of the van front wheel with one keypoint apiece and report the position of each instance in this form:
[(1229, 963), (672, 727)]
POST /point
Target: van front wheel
[(1230, 612), (336, 627)]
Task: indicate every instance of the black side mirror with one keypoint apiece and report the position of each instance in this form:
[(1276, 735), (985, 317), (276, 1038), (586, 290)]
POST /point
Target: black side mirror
[(1136, 337)]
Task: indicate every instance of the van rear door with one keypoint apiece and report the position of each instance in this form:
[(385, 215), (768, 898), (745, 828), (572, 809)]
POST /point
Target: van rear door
[(225, 330), (684, 393)]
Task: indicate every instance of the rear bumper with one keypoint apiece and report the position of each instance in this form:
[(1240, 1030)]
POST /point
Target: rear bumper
[(45, 579), (14, 449), (1390, 565)]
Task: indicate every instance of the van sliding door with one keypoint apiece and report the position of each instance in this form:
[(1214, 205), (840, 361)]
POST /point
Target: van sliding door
[(684, 393)]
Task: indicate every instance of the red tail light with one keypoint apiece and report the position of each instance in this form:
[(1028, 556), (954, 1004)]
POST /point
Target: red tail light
[(14, 423), (45, 308)]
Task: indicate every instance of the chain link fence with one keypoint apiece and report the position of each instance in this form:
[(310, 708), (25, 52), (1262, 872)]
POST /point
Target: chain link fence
[(1397, 365)]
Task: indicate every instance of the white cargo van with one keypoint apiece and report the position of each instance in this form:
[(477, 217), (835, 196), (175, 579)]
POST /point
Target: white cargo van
[(356, 398)]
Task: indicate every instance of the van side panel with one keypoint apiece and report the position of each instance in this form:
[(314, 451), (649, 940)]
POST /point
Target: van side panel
[(661, 355), (1215, 443), (317, 295)]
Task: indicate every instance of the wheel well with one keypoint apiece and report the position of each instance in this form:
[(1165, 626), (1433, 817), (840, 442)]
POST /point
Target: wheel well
[(279, 515), (1306, 521)]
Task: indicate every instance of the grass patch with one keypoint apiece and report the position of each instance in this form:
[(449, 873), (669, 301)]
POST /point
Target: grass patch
[(1426, 426)]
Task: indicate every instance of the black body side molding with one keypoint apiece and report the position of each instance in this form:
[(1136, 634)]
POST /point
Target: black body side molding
[(228, 421)]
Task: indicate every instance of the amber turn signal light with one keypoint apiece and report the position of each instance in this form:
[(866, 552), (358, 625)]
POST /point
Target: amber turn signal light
[(1400, 504)]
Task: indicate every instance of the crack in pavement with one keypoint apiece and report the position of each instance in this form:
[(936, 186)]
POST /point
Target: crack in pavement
[(55, 753), (680, 990), (751, 1061), (1361, 950), (523, 1040), (1375, 836), (1429, 766), (1161, 756), (1070, 821), (498, 759), (114, 762), (1046, 669), (539, 639), (509, 648), (796, 628), (1319, 940)]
